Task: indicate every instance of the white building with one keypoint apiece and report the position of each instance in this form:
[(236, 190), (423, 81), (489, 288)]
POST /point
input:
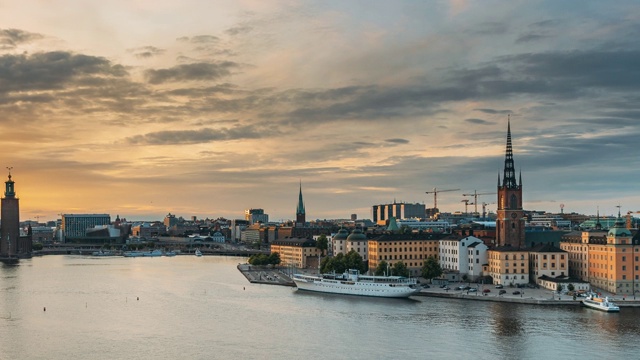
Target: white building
[(465, 256), (339, 242), (477, 256), (358, 242)]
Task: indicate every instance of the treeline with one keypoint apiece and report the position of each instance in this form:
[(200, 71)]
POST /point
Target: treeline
[(341, 263), (263, 259)]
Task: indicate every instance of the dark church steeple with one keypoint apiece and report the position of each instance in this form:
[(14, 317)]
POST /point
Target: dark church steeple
[(509, 179), (300, 212), (510, 220)]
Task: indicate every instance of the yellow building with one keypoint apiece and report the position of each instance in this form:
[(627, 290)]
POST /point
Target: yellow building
[(612, 264), (411, 249), (301, 253), (548, 261), (508, 265), (576, 244)]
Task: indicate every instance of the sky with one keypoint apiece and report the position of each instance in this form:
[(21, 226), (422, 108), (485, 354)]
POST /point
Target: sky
[(206, 108)]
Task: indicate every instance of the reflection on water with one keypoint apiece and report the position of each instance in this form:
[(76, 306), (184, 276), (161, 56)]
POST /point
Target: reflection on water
[(505, 319), (203, 308)]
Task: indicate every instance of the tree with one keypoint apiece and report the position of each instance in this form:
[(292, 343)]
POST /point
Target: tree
[(381, 269), (570, 287), (431, 269), (354, 261), (559, 288), (274, 258), (400, 269), (322, 243)]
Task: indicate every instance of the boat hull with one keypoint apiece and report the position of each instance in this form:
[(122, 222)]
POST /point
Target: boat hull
[(600, 307), (356, 288)]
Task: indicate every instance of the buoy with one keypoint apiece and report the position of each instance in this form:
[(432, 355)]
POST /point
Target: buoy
[(138, 298), (45, 308)]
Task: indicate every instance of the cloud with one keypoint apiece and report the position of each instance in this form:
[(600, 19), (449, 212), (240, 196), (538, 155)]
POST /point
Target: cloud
[(52, 70), (238, 30), (191, 72), (11, 38), (479, 122), (146, 51), (200, 39), (205, 135), (397, 141)]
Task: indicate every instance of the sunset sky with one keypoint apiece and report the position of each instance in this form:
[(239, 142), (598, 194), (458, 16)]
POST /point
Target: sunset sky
[(207, 108)]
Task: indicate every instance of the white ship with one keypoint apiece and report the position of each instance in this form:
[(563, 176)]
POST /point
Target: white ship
[(353, 283), (602, 304)]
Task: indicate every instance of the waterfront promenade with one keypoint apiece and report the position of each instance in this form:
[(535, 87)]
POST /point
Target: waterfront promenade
[(278, 276)]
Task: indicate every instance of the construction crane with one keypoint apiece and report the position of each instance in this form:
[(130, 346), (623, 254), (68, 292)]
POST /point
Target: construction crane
[(475, 198), (466, 205), (484, 209), (435, 195)]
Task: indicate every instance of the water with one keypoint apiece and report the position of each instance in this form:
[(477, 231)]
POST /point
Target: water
[(186, 307)]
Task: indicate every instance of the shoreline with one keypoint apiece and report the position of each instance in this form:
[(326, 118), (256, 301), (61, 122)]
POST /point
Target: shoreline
[(275, 276)]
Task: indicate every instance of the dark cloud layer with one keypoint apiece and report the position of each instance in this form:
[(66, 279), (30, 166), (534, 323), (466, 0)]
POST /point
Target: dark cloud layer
[(11, 38), (52, 70), (191, 72), (205, 135)]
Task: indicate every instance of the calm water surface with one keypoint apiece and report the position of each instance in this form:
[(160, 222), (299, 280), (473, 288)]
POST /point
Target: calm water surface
[(187, 307)]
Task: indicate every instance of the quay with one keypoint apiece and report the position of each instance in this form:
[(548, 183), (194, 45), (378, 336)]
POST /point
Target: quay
[(278, 276), (265, 275)]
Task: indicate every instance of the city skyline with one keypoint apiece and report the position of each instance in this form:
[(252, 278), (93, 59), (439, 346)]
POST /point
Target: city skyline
[(208, 108)]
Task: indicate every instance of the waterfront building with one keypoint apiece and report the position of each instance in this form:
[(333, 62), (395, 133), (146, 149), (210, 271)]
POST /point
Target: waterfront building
[(301, 217), (300, 253), (477, 253), (464, 256), (508, 265), (612, 262), (548, 261), (412, 249), (147, 230), (577, 244), (552, 283), (382, 213), (510, 221), (74, 226), (42, 234), (256, 215)]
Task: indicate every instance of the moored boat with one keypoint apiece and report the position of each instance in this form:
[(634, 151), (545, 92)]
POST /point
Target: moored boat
[(602, 304), (198, 252), (353, 283)]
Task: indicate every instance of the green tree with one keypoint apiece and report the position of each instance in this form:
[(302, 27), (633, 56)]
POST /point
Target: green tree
[(570, 287), (274, 258), (354, 261), (381, 269), (431, 269), (322, 243), (559, 288), (400, 269), (37, 246)]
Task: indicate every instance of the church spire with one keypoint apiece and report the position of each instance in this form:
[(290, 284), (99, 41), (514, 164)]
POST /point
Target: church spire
[(300, 212), (509, 179)]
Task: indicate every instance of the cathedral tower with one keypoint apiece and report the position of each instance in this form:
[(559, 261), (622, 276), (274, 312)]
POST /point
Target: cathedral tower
[(510, 220)]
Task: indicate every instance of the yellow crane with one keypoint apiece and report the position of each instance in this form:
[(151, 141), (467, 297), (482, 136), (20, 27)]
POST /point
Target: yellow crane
[(435, 195), (475, 198)]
